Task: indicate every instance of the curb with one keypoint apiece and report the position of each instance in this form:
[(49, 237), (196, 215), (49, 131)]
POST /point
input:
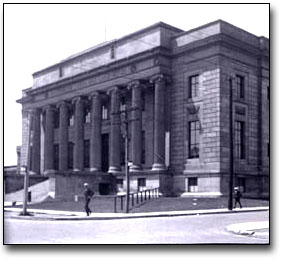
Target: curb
[(75, 216), (249, 229)]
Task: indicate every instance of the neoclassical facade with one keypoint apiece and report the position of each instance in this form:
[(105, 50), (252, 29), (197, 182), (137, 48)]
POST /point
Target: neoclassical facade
[(169, 91)]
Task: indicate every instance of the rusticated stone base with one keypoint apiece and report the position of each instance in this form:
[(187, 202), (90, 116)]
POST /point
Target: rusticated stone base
[(70, 184)]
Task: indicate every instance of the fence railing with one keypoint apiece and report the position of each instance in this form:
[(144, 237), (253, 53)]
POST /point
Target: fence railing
[(135, 199)]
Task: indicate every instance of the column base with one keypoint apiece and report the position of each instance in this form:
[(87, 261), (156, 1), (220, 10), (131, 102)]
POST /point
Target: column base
[(93, 169), (49, 172), (114, 169), (135, 168), (158, 167)]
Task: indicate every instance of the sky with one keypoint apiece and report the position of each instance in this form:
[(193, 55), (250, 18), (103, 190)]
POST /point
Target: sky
[(37, 36)]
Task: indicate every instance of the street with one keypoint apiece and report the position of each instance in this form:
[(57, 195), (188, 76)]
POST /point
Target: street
[(159, 230)]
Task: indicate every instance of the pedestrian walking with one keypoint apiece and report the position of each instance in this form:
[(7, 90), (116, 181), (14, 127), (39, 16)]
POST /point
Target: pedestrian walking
[(88, 196), (237, 196)]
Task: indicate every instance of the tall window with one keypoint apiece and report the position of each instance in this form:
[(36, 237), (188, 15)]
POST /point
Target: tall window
[(87, 117), (193, 140), (56, 119), (70, 155), (141, 184), (193, 86), (86, 153), (105, 114), (56, 156), (143, 101), (192, 184), (123, 151), (143, 147), (240, 88), (239, 139), (71, 117), (241, 184)]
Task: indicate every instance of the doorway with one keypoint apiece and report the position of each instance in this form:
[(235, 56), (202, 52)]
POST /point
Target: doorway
[(105, 152)]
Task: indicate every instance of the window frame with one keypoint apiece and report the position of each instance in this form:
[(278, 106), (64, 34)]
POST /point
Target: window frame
[(193, 86), (196, 138)]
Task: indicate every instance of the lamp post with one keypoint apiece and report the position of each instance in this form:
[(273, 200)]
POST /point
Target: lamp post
[(27, 169), (230, 197)]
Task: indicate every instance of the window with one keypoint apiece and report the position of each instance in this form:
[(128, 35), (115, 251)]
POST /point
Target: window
[(112, 52), (239, 85), (143, 101), (192, 183), (123, 104), (70, 155), (120, 185), (61, 72), (241, 184), (87, 114), (86, 153), (193, 140), (31, 158), (105, 114), (193, 86), (239, 139), (123, 151), (56, 119), (71, 117), (56, 156), (141, 184), (143, 147)]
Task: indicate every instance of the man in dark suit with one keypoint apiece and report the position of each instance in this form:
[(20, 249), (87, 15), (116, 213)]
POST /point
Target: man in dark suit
[(237, 196), (88, 196)]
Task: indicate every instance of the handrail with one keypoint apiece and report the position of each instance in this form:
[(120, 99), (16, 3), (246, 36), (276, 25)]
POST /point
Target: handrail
[(141, 196)]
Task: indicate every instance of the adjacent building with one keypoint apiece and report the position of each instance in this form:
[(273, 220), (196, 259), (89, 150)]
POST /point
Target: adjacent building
[(174, 89)]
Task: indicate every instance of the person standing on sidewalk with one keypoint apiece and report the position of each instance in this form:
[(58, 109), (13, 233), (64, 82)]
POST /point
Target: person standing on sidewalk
[(88, 196), (237, 196)]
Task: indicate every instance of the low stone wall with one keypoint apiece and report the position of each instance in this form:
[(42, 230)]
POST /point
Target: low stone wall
[(14, 182), (69, 184)]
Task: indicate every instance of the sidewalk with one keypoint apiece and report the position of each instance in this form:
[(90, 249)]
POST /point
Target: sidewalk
[(41, 214)]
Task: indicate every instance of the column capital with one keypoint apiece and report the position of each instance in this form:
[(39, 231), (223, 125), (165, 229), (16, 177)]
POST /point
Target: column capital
[(160, 78), (95, 94), (34, 110), (77, 99), (137, 83), (114, 89), (62, 103), (48, 107)]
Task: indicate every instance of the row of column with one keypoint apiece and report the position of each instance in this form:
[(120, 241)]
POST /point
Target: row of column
[(96, 126)]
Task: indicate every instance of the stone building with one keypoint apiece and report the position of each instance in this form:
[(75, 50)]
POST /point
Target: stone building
[(175, 86)]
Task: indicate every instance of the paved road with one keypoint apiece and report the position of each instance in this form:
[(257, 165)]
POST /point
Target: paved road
[(185, 229)]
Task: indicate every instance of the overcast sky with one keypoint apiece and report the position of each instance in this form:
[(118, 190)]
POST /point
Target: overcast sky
[(37, 36)]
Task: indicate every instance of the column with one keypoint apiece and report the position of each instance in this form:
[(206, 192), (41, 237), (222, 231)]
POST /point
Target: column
[(63, 136), (136, 126), (79, 134), (49, 140), (159, 124), (36, 131), (96, 133), (115, 134)]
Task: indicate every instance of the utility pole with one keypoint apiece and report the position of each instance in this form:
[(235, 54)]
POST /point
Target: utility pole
[(125, 123), (127, 174), (27, 169), (230, 198)]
